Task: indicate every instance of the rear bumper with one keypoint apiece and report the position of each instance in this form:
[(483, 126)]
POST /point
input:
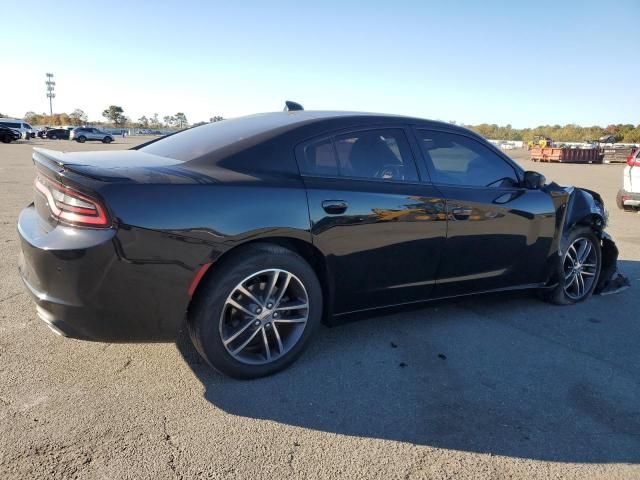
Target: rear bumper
[(85, 287), (627, 199)]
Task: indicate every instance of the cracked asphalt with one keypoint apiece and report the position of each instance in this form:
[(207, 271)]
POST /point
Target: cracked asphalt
[(494, 387)]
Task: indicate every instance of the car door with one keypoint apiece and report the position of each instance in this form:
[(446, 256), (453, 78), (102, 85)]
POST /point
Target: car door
[(380, 228), (499, 234)]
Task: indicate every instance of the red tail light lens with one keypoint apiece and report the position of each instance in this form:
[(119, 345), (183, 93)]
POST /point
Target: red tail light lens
[(70, 206), (633, 160)]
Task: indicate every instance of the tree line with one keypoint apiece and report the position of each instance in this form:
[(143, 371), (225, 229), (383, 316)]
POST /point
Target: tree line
[(77, 117), (624, 133), (114, 115)]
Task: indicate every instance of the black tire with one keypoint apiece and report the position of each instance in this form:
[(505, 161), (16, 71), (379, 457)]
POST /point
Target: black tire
[(206, 315), (106, 140), (53, 137), (6, 139), (82, 139), (560, 295)]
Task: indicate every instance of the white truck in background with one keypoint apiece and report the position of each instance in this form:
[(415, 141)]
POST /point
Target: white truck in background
[(629, 196), (25, 130)]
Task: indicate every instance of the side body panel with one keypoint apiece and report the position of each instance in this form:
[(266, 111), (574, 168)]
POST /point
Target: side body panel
[(385, 248)]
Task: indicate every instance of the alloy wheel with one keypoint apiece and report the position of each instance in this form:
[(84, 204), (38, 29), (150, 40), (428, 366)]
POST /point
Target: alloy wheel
[(580, 268), (264, 317)]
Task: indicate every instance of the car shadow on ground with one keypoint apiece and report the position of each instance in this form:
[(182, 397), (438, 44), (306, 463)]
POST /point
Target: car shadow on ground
[(507, 375)]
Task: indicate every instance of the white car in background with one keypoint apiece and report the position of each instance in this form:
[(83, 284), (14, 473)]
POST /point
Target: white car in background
[(629, 197), (25, 130)]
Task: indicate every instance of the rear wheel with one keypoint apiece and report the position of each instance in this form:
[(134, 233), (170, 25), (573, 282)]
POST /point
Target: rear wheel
[(579, 268), (6, 139), (254, 316), (82, 139), (106, 140)]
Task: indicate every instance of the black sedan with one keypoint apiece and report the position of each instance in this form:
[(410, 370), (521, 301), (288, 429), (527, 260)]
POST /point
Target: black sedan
[(252, 231), (57, 134), (7, 135)]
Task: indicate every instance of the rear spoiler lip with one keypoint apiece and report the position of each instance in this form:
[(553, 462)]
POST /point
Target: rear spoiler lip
[(52, 164), (52, 161), (45, 156)]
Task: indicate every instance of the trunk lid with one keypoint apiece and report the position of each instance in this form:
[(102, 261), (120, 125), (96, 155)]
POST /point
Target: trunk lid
[(130, 166), (89, 172)]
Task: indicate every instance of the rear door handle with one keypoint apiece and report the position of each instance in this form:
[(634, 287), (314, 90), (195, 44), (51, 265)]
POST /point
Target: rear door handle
[(461, 213), (334, 207)]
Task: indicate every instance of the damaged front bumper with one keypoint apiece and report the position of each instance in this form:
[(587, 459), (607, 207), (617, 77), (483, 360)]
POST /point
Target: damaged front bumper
[(580, 206), (610, 280)]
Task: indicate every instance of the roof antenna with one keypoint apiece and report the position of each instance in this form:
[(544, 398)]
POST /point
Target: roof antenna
[(290, 106)]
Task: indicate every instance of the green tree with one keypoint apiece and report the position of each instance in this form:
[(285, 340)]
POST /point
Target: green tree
[(115, 114), (169, 121), (78, 117), (181, 120), (216, 118), (143, 122)]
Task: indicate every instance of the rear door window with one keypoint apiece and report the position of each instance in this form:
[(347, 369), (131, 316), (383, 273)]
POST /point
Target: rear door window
[(380, 154)]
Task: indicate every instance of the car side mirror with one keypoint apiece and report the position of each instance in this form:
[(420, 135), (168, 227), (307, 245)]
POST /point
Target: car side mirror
[(534, 180)]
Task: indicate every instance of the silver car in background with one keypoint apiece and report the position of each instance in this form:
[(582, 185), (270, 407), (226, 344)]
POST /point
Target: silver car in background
[(82, 134)]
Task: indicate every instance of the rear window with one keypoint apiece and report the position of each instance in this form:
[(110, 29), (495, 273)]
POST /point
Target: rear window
[(197, 142), (320, 159)]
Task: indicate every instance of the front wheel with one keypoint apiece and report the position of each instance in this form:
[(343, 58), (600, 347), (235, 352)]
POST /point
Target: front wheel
[(6, 139), (255, 314), (106, 140), (579, 268), (53, 137)]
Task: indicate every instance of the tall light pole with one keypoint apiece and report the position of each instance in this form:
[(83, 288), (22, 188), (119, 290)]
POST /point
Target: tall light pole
[(51, 85)]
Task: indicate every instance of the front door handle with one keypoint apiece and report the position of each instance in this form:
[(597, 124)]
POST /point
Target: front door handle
[(335, 207)]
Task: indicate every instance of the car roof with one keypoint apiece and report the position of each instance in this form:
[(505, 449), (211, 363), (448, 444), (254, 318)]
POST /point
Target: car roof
[(215, 140), (273, 120)]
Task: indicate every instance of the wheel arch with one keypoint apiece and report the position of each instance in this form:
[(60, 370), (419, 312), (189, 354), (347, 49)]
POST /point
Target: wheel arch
[(595, 221), (309, 252)]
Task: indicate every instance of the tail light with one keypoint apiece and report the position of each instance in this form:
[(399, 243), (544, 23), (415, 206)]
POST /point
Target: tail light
[(633, 160), (70, 206)]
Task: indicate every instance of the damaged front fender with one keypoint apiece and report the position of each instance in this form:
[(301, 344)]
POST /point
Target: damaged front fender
[(579, 206)]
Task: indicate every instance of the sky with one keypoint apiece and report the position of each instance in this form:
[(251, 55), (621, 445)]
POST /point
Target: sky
[(465, 61)]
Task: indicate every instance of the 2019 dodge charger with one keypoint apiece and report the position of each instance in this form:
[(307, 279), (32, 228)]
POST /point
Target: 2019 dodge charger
[(251, 231)]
